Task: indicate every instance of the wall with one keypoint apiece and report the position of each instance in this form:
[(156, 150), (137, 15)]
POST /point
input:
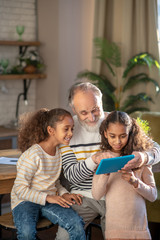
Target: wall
[(48, 89), (65, 29), (75, 41), (12, 13)]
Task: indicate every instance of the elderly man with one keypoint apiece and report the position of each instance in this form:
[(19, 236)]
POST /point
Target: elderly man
[(81, 158)]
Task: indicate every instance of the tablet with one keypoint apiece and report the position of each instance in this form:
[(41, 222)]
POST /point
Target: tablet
[(108, 165)]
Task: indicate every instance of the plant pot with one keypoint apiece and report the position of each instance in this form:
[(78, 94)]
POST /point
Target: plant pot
[(30, 69)]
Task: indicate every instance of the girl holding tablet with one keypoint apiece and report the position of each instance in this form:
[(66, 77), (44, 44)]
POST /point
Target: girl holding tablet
[(125, 190)]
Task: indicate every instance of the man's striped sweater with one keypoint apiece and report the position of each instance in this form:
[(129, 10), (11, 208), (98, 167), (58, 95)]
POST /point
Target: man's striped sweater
[(82, 146)]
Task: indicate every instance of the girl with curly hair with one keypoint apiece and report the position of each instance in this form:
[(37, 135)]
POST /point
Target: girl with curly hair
[(37, 190), (125, 190)]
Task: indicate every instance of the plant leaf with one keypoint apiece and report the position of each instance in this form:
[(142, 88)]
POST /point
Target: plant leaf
[(133, 100), (140, 59), (134, 109), (108, 65), (108, 50), (140, 78), (144, 124), (99, 79), (108, 103)]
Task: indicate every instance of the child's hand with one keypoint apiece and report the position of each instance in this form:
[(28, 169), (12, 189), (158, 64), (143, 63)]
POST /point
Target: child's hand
[(58, 200), (73, 198), (97, 157), (129, 177)]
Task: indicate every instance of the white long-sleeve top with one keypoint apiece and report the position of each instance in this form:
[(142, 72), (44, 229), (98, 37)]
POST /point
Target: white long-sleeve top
[(37, 176), (126, 216)]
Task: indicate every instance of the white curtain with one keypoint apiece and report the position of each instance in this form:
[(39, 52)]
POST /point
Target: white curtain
[(133, 25)]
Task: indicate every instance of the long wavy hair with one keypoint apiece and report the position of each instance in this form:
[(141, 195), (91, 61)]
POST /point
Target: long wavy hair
[(33, 126), (137, 139)]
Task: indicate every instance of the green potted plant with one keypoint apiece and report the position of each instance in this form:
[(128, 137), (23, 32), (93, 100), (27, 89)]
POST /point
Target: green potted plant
[(29, 63), (109, 53)]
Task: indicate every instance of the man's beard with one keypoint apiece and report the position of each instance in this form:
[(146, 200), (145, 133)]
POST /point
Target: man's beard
[(95, 127)]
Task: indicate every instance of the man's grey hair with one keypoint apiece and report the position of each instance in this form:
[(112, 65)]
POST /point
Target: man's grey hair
[(84, 87)]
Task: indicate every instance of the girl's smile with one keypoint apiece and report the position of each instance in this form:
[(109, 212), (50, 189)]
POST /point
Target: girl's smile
[(64, 130)]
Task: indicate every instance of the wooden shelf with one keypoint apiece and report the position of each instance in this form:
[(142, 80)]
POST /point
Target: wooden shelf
[(22, 76), (20, 43)]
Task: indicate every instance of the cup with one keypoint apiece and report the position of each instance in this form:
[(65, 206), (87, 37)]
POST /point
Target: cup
[(20, 31)]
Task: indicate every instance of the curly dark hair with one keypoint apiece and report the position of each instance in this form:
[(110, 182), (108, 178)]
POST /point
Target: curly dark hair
[(33, 126), (137, 140)]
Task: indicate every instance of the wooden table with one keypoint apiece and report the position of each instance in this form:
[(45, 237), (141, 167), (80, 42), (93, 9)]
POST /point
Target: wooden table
[(10, 153), (7, 172), (7, 177)]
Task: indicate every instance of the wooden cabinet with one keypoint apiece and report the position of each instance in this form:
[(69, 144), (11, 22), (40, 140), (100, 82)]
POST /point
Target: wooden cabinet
[(8, 138)]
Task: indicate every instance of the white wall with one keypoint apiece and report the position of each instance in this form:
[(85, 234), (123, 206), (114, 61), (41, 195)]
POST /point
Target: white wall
[(75, 42), (48, 89), (12, 13), (65, 29)]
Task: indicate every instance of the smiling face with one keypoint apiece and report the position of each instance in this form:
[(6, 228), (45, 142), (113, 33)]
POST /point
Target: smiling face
[(117, 135), (88, 108), (63, 131)]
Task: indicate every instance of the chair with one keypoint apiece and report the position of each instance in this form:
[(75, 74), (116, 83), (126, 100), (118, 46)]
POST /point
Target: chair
[(90, 226), (6, 222)]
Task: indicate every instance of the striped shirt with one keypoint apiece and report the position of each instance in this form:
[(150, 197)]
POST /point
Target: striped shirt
[(78, 165), (37, 176)]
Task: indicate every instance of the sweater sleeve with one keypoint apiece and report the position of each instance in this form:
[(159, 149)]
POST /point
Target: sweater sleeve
[(146, 187), (99, 185), (154, 154), (76, 171), (26, 169)]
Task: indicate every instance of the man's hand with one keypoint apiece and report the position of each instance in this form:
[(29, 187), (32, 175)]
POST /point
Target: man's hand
[(97, 157), (139, 160), (73, 198)]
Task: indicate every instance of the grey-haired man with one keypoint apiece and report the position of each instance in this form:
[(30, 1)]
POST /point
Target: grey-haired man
[(81, 158)]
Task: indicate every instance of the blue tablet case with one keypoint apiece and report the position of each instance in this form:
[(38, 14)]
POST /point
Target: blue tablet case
[(108, 165)]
